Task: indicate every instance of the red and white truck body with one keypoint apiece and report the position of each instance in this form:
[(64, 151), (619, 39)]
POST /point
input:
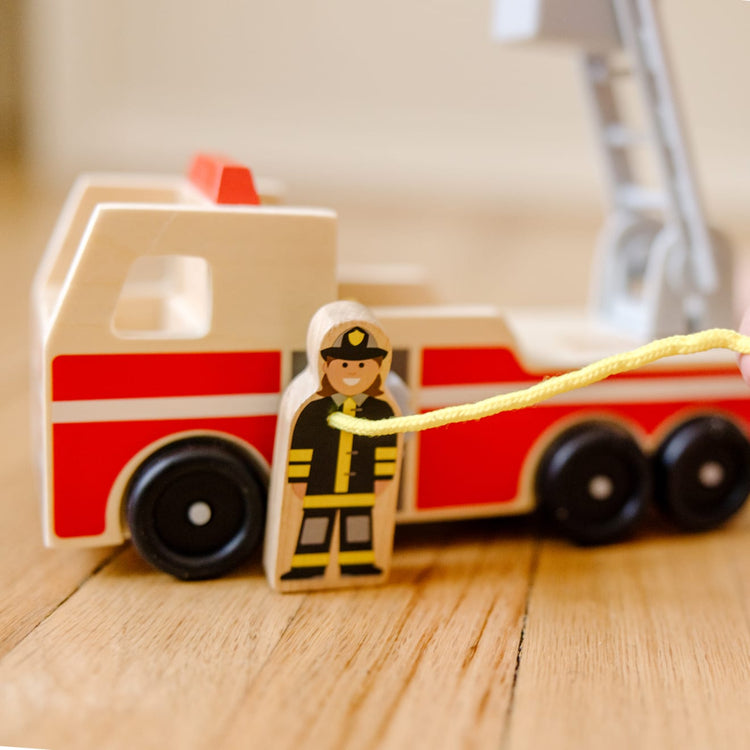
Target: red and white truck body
[(160, 316), (109, 412), (488, 467)]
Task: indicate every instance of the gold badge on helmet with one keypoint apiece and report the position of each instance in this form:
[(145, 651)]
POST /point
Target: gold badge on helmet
[(355, 336), (354, 344)]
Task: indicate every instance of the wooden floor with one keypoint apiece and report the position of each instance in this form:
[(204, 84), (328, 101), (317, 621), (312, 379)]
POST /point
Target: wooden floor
[(489, 635)]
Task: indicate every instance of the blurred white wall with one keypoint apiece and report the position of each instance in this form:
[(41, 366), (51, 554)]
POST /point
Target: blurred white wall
[(404, 96), (404, 116), (9, 77)]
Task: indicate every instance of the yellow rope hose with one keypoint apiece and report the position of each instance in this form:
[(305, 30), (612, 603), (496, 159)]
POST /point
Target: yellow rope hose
[(715, 338)]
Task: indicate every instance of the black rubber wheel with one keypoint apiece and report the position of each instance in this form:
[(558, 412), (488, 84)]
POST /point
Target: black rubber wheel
[(702, 473), (196, 508), (593, 483)]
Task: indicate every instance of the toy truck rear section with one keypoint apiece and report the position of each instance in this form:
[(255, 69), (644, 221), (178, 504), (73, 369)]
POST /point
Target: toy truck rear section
[(674, 433), (165, 327)]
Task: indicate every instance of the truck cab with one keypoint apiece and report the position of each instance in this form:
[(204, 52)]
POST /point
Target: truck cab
[(167, 313)]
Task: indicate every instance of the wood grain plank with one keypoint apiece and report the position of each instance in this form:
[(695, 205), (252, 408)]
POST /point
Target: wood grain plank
[(135, 658), (33, 581), (439, 641), (642, 645)]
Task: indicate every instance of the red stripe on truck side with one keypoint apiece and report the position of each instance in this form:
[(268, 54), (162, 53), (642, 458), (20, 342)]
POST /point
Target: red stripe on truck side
[(471, 366), (486, 365), (482, 463), (80, 377)]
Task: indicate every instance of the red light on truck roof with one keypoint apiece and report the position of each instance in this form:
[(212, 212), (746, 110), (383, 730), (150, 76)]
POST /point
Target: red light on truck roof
[(223, 180)]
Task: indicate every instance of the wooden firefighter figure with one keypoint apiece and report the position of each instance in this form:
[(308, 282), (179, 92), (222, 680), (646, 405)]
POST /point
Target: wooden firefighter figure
[(333, 495)]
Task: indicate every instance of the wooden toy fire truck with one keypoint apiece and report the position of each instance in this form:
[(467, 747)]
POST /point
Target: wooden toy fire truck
[(171, 313)]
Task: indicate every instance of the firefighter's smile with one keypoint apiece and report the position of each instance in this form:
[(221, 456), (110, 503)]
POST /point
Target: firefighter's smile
[(351, 377)]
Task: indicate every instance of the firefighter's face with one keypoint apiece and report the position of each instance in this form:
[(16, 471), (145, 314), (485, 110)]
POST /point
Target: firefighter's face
[(351, 377)]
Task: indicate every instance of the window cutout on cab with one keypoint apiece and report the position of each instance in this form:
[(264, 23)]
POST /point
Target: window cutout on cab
[(165, 297)]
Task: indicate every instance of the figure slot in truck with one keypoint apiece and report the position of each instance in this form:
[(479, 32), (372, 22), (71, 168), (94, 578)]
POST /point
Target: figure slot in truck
[(168, 324)]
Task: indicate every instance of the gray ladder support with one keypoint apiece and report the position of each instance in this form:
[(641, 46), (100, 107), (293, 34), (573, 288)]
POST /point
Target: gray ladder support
[(676, 200)]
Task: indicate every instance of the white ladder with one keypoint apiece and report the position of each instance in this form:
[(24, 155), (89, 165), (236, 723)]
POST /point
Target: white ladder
[(658, 270)]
